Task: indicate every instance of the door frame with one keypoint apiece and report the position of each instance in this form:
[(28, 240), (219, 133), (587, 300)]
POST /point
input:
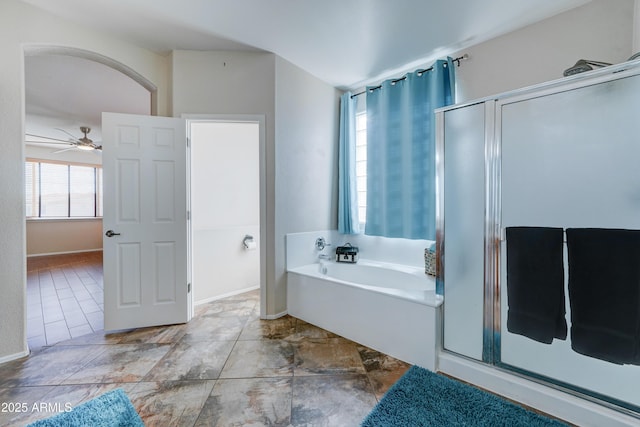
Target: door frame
[(260, 119)]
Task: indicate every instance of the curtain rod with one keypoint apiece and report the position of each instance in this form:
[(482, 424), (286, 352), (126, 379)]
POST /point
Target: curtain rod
[(457, 60)]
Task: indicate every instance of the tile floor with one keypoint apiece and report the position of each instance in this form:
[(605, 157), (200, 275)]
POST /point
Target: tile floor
[(64, 297), (224, 368)]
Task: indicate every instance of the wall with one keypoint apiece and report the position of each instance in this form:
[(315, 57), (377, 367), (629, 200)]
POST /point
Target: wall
[(301, 142), (306, 179), (234, 83), (55, 236), (600, 30), (23, 25), (225, 207)]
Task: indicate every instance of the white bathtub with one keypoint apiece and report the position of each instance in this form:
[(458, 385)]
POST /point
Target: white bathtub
[(390, 308)]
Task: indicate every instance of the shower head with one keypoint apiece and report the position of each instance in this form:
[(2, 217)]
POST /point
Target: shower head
[(583, 65)]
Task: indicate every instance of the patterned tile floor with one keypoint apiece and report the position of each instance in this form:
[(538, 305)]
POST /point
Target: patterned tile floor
[(224, 368)]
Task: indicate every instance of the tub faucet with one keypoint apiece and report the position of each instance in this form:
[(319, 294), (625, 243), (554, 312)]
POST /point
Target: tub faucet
[(324, 256), (321, 243)]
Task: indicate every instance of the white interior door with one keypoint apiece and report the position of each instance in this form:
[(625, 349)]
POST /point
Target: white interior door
[(145, 221)]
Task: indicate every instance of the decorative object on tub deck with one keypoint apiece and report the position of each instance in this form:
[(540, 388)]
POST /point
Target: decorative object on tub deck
[(430, 260), (604, 293), (535, 283), (347, 253)]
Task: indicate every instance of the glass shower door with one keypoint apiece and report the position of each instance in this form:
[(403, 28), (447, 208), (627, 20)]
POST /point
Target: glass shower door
[(569, 159), (464, 203)]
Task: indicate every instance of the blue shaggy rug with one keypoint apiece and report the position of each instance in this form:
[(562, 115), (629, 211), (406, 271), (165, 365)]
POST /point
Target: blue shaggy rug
[(112, 409), (421, 398)]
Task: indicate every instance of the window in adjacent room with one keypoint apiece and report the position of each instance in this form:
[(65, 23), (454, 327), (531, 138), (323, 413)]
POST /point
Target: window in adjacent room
[(58, 190), (361, 165)]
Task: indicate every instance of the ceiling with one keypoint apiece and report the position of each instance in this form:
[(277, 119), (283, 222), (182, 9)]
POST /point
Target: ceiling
[(346, 43), (63, 93)]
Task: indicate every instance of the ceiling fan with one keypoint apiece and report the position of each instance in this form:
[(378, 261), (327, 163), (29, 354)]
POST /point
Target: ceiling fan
[(83, 143)]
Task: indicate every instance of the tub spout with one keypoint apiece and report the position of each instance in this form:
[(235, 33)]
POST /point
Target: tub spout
[(322, 267)]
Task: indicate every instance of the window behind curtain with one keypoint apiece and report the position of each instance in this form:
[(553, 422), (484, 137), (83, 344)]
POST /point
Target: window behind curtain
[(361, 165), (54, 190)]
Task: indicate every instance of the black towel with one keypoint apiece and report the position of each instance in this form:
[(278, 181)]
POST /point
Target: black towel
[(604, 293), (535, 283)]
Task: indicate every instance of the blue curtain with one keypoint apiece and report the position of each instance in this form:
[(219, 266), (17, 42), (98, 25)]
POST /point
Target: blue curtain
[(401, 168), (347, 192)]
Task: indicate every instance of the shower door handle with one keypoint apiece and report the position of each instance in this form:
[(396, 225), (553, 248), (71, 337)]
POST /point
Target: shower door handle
[(110, 233)]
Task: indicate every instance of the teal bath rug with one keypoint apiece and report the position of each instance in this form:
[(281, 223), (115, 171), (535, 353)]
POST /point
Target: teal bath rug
[(421, 398), (112, 409)]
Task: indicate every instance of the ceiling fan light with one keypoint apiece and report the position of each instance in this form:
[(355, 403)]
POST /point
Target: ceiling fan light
[(85, 147)]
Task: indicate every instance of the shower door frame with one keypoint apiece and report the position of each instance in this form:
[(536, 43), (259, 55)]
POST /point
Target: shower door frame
[(494, 232)]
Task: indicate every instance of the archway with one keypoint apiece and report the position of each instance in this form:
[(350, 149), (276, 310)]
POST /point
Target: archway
[(62, 83)]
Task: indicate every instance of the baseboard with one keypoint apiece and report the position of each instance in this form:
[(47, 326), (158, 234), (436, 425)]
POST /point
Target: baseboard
[(275, 316), (552, 401), (227, 295), (9, 358), (64, 253)]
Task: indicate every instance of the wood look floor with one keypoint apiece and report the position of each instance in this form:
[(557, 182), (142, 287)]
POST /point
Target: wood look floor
[(64, 297)]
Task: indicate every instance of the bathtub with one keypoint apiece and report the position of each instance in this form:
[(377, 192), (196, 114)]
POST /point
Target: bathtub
[(388, 307)]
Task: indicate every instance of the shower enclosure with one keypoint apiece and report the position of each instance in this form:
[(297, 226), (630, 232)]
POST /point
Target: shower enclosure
[(545, 160)]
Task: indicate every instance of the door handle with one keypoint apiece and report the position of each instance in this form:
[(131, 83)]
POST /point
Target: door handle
[(110, 233)]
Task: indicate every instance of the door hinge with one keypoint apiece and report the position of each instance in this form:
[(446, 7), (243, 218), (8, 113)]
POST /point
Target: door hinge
[(188, 142), (188, 215), (188, 287)]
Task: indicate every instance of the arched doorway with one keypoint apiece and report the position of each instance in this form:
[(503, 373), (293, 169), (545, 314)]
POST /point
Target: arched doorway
[(67, 89)]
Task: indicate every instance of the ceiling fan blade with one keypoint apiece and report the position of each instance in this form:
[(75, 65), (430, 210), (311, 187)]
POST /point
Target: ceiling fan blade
[(49, 142), (64, 149), (75, 138), (46, 137)]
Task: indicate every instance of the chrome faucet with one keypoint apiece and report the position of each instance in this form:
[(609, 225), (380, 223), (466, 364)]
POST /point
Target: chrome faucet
[(321, 243)]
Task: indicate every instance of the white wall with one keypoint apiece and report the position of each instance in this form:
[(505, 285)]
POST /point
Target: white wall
[(234, 83), (601, 30), (225, 207), (22, 25), (306, 161), (56, 236), (301, 142)]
